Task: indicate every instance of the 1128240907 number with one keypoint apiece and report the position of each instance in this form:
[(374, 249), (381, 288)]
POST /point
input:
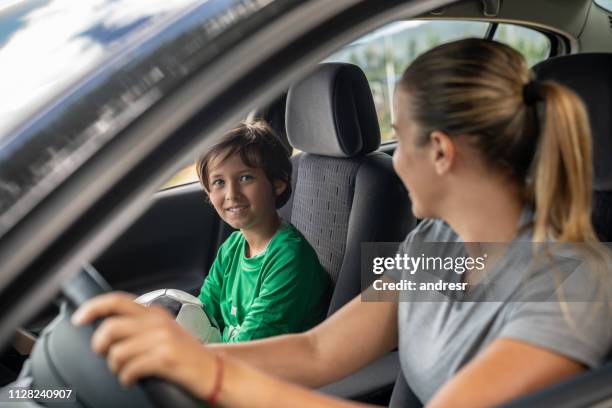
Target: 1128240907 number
[(22, 393)]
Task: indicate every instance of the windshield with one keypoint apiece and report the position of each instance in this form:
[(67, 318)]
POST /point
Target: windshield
[(79, 72)]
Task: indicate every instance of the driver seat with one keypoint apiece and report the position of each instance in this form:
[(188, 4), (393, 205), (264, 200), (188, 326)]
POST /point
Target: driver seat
[(590, 75)]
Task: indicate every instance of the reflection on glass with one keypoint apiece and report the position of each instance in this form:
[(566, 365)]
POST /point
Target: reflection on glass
[(94, 67), (47, 44)]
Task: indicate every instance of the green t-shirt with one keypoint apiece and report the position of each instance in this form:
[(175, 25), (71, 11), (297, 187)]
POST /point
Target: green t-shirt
[(282, 290)]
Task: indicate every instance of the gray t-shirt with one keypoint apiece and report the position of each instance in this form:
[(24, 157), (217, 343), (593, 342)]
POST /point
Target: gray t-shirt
[(438, 337)]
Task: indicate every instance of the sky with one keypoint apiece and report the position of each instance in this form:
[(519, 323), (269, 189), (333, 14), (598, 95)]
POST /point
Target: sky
[(46, 44)]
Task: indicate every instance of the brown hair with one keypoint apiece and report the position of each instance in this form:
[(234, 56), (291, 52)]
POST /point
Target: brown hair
[(475, 88), (258, 147)]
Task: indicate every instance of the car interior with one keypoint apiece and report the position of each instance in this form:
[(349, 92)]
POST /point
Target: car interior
[(345, 191)]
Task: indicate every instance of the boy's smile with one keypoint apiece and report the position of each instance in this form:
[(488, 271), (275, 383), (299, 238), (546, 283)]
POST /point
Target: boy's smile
[(237, 209), (236, 212)]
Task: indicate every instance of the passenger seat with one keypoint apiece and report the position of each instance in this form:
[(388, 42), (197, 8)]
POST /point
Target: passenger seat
[(344, 192)]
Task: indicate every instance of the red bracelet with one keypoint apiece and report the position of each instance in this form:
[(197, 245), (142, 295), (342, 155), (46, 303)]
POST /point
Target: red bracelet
[(214, 394)]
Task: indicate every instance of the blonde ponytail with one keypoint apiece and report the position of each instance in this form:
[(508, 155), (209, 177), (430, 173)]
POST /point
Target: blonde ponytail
[(562, 177)]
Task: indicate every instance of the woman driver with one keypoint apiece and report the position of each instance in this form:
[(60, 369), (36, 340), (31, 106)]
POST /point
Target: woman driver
[(467, 127)]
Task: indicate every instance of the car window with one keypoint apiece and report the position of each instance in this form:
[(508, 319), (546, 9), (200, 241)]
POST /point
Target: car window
[(382, 55), (534, 45), (385, 53), (184, 176)]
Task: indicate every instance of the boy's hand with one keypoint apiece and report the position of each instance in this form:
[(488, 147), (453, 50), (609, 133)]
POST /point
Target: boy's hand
[(140, 341)]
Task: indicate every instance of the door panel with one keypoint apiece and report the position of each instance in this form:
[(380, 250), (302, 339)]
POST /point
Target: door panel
[(172, 245)]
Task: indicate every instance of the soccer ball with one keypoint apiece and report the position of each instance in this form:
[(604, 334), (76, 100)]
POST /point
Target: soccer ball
[(188, 311)]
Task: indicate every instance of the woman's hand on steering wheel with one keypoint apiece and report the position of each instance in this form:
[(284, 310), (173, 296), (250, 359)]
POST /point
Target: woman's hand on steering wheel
[(140, 342)]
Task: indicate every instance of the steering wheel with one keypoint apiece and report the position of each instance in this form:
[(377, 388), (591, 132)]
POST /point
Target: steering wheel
[(62, 358)]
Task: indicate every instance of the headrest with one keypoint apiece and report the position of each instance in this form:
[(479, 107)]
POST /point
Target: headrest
[(331, 112), (590, 76), (274, 115)]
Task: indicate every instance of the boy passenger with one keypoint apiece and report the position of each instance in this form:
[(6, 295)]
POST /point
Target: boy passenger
[(266, 279)]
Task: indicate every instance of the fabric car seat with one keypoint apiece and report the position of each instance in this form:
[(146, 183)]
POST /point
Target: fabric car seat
[(590, 76), (344, 192)]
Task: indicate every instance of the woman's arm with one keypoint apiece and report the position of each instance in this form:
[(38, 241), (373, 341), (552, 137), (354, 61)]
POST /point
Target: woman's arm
[(140, 342), (505, 370), (247, 387), (329, 351)]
